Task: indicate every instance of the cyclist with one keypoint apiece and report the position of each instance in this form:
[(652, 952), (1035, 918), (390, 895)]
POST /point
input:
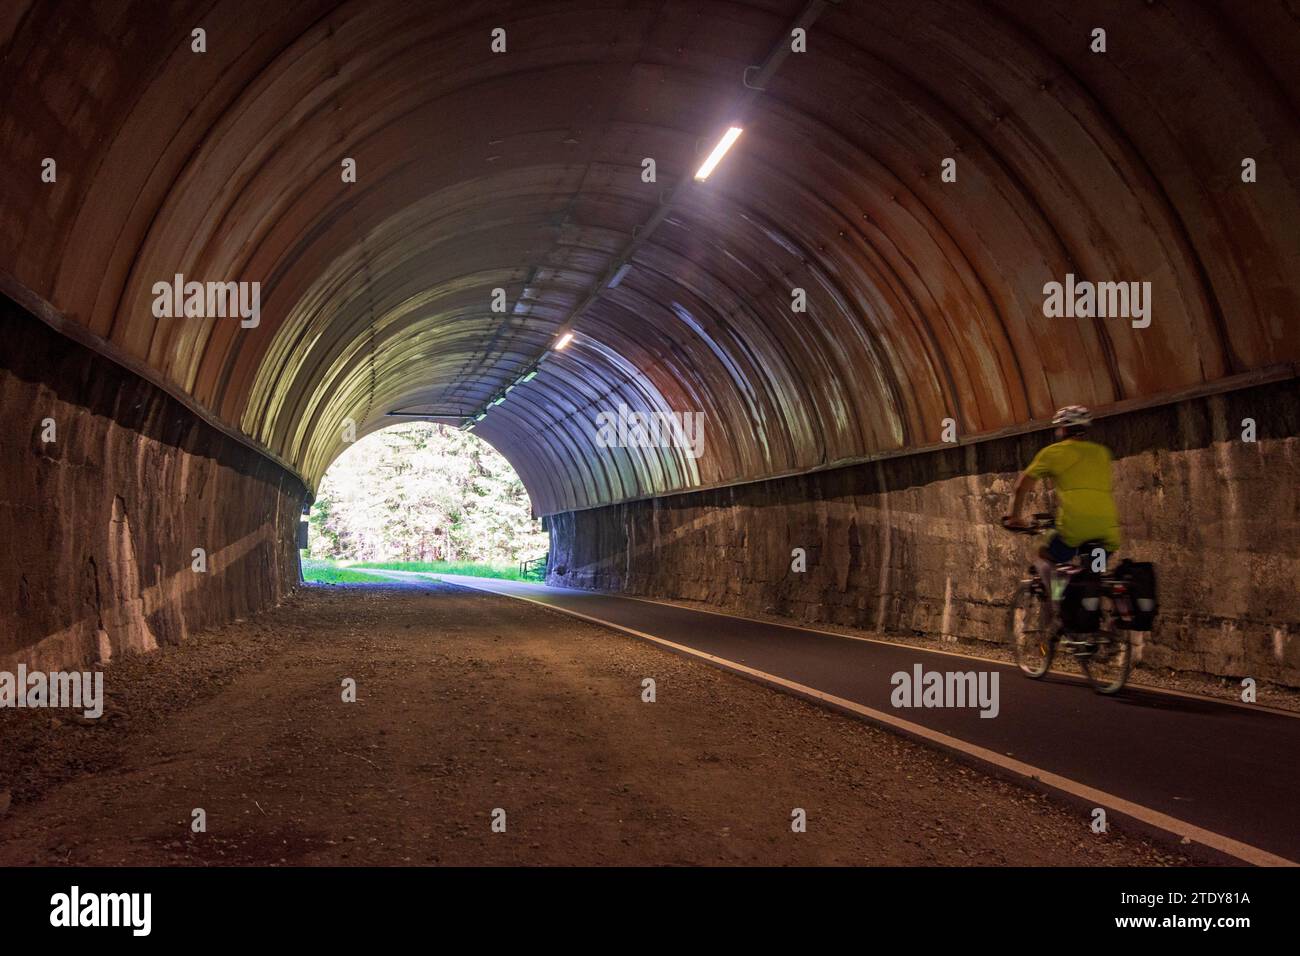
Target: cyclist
[(1080, 471)]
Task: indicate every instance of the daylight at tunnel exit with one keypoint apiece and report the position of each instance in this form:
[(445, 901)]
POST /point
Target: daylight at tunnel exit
[(795, 434)]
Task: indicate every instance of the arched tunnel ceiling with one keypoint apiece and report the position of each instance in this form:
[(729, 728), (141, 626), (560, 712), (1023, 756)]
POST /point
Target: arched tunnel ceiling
[(522, 170)]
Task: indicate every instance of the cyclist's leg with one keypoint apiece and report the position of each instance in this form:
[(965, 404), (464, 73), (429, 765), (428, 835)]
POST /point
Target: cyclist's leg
[(1054, 552)]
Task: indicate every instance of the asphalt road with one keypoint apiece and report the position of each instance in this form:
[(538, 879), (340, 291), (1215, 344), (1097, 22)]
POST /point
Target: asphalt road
[(1230, 770)]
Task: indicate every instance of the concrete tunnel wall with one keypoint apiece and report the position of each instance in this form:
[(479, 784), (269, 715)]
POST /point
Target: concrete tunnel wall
[(911, 544), (97, 527)]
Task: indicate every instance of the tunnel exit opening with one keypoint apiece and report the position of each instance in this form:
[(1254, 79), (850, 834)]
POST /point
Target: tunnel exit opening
[(421, 497)]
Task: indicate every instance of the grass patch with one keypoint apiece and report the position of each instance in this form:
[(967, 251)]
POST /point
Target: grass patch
[(505, 571), (320, 571)]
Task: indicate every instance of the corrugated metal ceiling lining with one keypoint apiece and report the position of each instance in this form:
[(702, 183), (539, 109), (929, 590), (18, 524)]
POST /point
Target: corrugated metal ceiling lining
[(522, 170)]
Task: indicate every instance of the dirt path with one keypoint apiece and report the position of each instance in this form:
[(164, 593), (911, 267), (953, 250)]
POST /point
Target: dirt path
[(468, 702)]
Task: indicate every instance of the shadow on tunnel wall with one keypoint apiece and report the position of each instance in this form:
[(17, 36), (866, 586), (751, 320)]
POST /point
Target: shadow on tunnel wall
[(109, 486), (911, 544)]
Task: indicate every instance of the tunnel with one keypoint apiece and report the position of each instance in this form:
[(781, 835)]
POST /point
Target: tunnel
[(859, 252), (853, 303)]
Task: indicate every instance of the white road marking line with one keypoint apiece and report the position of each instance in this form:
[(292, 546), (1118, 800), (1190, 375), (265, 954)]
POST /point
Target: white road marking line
[(1180, 828)]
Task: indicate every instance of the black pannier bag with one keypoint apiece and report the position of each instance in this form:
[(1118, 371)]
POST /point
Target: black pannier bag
[(1081, 603), (1139, 578)]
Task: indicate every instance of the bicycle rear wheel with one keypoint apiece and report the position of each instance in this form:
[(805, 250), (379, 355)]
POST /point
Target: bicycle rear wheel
[(1030, 631), (1108, 665)]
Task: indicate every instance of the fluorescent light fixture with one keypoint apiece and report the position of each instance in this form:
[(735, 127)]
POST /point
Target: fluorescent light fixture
[(618, 276), (499, 400), (529, 377), (480, 416), (715, 157), (565, 339)]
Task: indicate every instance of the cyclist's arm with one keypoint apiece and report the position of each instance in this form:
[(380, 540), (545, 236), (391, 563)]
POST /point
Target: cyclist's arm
[(1024, 484), (1040, 467)]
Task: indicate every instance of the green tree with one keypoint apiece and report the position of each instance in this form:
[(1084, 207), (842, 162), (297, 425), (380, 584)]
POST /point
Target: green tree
[(423, 492)]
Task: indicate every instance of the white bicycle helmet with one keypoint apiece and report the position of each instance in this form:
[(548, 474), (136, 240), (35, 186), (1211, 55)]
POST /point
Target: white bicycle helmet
[(1072, 415)]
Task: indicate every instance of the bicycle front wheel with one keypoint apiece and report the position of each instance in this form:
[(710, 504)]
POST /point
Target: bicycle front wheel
[(1030, 631)]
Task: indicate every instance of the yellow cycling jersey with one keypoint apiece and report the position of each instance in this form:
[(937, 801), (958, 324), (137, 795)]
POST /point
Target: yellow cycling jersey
[(1080, 471)]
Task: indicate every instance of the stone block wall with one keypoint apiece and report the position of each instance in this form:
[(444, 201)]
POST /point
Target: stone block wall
[(912, 544), (98, 526)]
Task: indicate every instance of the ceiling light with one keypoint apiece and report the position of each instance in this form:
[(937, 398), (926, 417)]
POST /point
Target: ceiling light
[(715, 157), (565, 339), (618, 276)]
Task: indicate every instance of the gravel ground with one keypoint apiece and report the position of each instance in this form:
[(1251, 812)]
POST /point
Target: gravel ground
[(468, 702)]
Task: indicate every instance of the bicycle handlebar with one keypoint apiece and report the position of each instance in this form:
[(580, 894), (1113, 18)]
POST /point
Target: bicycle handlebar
[(1041, 521)]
